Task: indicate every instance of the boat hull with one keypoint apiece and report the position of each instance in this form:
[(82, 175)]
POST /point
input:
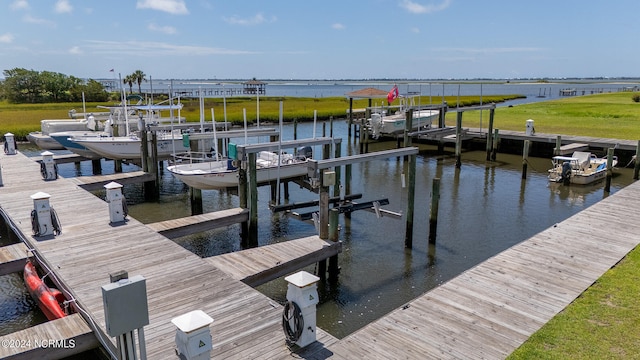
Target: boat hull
[(129, 148), (48, 299), (64, 138), (44, 142), (395, 124), (205, 176)]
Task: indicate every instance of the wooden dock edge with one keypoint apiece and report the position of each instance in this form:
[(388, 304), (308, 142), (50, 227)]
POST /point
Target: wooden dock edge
[(197, 223), (54, 339), (13, 258)]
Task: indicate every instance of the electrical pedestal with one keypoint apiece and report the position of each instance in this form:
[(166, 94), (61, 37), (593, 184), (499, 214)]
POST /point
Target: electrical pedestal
[(303, 291)]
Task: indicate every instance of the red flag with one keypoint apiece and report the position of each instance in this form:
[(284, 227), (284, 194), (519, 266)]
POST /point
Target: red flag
[(393, 94)]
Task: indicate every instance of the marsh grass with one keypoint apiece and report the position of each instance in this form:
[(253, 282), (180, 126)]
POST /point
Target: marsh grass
[(21, 119)]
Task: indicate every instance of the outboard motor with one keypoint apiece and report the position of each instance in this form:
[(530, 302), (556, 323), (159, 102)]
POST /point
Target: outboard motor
[(304, 152), (566, 173)]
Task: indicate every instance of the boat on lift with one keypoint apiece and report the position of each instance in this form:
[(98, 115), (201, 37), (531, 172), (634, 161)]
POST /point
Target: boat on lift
[(382, 123), (128, 147), (580, 168), (222, 173), (49, 300)]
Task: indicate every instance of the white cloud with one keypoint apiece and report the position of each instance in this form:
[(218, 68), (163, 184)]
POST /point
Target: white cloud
[(415, 30), (34, 20), (337, 26), (20, 4), (139, 48), (498, 50), (6, 38), (76, 50), (163, 29), (415, 8), (255, 20), (63, 6), (176, 7)]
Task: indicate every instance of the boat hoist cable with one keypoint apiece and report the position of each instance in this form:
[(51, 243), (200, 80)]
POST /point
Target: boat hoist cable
[(292, 314)]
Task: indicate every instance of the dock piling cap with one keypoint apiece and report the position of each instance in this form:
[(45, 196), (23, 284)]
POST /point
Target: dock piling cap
[(40, 195), (191, 321), (302, 279), (47, 153), (112, 185)]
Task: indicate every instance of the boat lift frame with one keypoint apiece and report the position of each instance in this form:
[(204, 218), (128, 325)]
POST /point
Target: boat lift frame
[(248, 190)]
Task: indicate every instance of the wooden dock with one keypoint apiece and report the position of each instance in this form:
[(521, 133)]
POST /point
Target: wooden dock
[(246, 324), (262, 264), (490, 310), (55, 339), (12, 258), (486, 312), (176, 228), (97, 182)]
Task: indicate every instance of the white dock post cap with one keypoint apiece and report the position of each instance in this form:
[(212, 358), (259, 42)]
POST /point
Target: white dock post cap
[(113, 185), (191, 321), (40, 196), (302, 279), (8, 134), (47, 153)]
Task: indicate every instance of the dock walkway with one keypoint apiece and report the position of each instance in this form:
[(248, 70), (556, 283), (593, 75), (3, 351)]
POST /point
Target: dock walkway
[(491, 309), (246, 324), (262, 264), (55, 339)]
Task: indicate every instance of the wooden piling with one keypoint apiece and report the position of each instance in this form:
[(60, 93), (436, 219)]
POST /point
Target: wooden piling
[(96, 167), (433, 213), (525, 158), (350, 117), (408, 237), (333, 236), (607, 184), (253, 201), (336, 154), (195, 196), (458, 139), (636, 167), (243, 202), (494, 148), (489, 132), (556, 150)]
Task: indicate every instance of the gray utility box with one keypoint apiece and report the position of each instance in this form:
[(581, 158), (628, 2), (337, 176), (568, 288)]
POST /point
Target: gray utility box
[(125, 305)]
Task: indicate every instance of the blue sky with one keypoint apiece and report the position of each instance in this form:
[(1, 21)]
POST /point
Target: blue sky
[(352, 39)]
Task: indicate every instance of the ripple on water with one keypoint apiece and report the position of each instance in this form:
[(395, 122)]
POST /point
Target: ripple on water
[(17, 309)]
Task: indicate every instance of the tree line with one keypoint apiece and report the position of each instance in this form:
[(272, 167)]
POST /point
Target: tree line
[(31, 86)]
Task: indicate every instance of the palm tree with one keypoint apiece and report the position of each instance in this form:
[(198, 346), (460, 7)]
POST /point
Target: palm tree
[(138, 76), (129, 81)]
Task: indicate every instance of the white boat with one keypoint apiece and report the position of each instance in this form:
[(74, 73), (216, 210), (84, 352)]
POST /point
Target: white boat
[(219, 174), (129, 147), (383, 124), (580, 168), (65, 139)]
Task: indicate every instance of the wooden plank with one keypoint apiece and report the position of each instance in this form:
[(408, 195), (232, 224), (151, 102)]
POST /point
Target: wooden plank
[(260, 265), (12, 258), (197, 223), (98, 182), (54, 339)]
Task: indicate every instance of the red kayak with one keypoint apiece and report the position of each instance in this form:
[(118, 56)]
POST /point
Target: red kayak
[(49, 300)]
